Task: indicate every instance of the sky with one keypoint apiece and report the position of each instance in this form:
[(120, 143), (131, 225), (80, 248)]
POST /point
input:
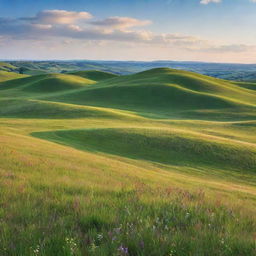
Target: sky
[(184, 30)]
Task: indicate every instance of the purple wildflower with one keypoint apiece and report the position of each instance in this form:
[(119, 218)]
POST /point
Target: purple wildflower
[(123, 250)]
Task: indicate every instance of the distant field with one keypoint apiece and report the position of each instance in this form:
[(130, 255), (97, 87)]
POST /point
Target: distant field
[(157, 163)]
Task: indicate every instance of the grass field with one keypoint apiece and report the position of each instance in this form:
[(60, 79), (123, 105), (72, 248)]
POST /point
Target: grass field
[(159, 163)]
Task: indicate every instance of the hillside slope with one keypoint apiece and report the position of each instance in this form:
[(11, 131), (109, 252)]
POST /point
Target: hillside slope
[(7, 67), (5, 76), (166, 93), (47, 83), (163, 146), (94, 75), (159, 163)]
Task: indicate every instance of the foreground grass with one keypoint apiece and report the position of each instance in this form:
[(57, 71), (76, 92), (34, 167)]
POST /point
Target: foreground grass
[(56, 200), (138, 221)]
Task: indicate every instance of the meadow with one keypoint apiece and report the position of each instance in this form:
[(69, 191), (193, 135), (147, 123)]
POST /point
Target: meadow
[(158, 163)]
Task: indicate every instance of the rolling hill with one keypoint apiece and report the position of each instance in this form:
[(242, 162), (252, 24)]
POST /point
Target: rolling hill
[(5, 76), (95, 75), (48, 83), (165, 146), (7, 67), (166, 93), (162, 162)]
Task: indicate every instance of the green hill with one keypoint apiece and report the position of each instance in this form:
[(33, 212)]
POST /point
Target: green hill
[(48, 83), (247, 85), (94, 75), (49, 110), (7, 67), (57, 82), (166, 93), (161, 162), (164, 146), (5, 76)]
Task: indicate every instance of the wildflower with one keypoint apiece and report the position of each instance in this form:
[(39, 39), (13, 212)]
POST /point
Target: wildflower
[(123, 250), (99, 237), (142, 245), (172, 252), (36, 251), (93, 247), (72, 244)]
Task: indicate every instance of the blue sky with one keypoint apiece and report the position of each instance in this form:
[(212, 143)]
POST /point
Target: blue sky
[(198, 30)]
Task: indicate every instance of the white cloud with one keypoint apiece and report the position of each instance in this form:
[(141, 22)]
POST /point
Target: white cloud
[(210, 1), (58, 17), (121, 22), (64, 29)]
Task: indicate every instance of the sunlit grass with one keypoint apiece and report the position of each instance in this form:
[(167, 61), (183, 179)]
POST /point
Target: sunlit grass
[(94, 180)]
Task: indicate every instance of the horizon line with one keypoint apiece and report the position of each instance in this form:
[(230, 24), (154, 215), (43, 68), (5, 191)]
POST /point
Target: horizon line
[(112, 60)]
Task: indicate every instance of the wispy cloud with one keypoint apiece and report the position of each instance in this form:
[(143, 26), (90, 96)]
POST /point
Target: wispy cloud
[(120, 22), (58, 17), (210, 1)]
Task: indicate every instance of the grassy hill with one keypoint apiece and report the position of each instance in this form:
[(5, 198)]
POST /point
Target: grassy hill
[(5, 76), (158, 163), (7, 67), (165, 146), (247, 85), (48, 83), (94, 75), (166, 93)]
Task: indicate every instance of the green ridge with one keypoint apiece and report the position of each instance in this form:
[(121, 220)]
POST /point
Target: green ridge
[(163, 146), (94, 75), (164, 92)]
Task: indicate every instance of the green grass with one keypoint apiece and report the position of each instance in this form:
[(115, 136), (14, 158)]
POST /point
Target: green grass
[(166, 93), (94, 75), (160, 163), (247, 85), (5, 76), (162, 146), (6, 66), (50, 83)]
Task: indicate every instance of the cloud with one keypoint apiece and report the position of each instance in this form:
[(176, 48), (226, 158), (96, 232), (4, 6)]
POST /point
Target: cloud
[(233, 48), (58, 17), (63, 26), (61, 23), (210, 1), (20, 30), (121, 22)]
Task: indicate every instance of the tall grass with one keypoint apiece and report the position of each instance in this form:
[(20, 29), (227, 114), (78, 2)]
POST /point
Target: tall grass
[(77, 180)]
